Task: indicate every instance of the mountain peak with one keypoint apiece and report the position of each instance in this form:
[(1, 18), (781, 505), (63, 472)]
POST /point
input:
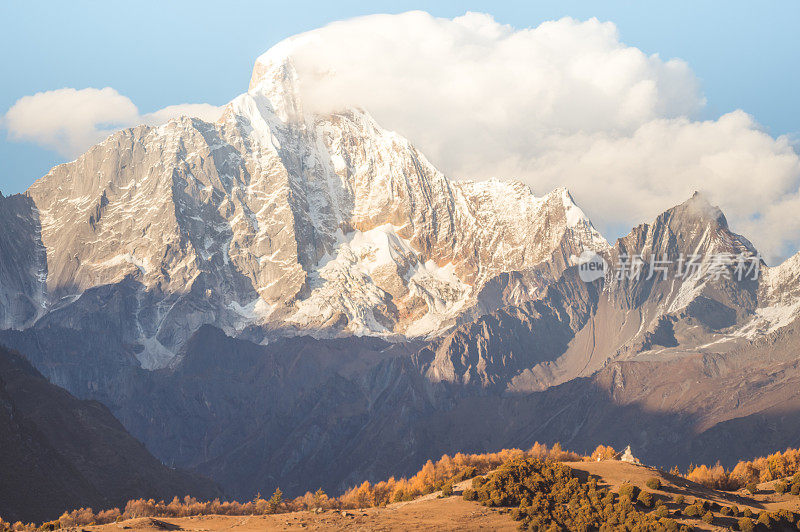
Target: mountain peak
[(279, 83), (574, 215), (699, 207), (276, 76), (280, 220)]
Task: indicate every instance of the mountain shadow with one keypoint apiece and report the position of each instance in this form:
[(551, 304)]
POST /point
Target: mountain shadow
[(60, 453)]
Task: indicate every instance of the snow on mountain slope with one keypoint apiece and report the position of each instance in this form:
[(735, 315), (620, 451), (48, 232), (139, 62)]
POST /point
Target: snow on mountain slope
[(576, 328), (779, 299), (276, 221)]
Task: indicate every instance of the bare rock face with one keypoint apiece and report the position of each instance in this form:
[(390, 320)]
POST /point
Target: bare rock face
[(23, 264), (275, 221)]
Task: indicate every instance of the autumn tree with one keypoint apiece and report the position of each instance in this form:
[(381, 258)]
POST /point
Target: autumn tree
[(275, 501)]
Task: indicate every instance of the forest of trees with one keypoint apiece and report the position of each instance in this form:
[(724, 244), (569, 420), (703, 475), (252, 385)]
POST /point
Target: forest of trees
[(775, 466), (546, 495), (434, 476)]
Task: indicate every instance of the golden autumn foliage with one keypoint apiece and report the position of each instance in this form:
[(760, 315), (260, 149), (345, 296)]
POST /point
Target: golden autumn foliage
[(603, 452), (433, 476), (764, 469), (713, 477)]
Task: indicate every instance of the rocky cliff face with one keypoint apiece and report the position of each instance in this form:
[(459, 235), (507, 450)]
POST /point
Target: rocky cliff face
[(694, 298), (23, 264)]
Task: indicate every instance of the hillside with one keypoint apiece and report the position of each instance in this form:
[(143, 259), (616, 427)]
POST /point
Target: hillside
[(440, 511), (59, 452)]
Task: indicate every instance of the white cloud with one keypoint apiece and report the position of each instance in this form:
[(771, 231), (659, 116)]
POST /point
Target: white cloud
[(69, 121), (203, 111), (565, 103)]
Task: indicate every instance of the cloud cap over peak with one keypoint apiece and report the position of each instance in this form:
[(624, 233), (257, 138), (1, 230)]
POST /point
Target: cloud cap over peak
[(564, 103), (565, 74)]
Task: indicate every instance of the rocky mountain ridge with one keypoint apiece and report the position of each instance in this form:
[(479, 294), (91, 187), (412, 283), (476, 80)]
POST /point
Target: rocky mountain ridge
[(582, 362)]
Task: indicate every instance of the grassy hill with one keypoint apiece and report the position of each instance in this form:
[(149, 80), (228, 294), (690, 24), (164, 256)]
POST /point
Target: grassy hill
[(539, 489)]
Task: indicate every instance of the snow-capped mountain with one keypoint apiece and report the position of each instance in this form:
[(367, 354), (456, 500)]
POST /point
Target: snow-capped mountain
[(405, 314), (276, 221), (779, 299), (575, 329)]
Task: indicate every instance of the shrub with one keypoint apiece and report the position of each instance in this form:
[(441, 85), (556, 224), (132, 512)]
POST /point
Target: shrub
[(548, 496), (725, 510), (747, 512), (764, 519), (629, 490), (670, 525), (735, 510), (662, 511), (752, 487), (447, 489), (796, 488), (781, 487), (653, 483), (708, 517), (786, 515), (746, 524), (692, 510), (645, 499), (680, 499), (470, 495)]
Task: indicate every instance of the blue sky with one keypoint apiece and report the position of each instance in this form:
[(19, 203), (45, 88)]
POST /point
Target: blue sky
[(160, 53)]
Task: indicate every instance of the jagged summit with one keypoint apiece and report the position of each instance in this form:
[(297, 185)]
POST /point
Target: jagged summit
[(700, 208)]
